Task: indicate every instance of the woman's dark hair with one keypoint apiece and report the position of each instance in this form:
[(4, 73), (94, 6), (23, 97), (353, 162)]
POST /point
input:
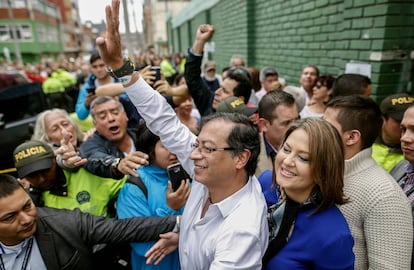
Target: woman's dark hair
[(326, 160), (326, 80), (146, 141), (254, 72)]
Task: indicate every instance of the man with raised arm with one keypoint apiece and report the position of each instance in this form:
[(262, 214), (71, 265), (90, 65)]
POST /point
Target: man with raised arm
[(226, 208), (236, 83)]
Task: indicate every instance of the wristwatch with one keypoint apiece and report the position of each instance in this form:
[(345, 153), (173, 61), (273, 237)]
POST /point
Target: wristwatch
[(115, 162), (126, 70)]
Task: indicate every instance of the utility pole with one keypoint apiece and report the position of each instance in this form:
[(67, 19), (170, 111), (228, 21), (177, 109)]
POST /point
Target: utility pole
[(127, 30), (14, 32)]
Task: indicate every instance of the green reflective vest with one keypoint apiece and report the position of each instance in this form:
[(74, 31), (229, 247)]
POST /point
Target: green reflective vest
[(86, 191), (52, 85), (385, 156)]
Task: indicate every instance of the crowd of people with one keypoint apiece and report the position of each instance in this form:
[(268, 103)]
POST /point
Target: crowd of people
[(314, 176)]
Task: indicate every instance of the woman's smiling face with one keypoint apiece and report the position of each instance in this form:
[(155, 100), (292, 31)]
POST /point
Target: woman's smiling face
[(293, 170)]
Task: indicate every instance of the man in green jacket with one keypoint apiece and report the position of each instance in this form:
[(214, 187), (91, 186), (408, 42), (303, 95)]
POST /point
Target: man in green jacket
[(53, 186), (387, 149)]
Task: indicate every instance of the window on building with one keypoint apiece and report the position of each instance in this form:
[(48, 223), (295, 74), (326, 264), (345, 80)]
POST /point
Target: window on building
[(67, 38), (19, 3), (41, 33), (52, 35), (38, 5), (23, 32), (52, 11), (4, 33), (15, 3)]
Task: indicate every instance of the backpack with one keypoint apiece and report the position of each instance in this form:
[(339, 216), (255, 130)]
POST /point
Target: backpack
[(138, 182)]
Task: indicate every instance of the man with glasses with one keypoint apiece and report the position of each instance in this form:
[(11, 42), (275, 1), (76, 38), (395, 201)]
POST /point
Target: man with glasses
[(237, 82), (224, 222), (111, 150)]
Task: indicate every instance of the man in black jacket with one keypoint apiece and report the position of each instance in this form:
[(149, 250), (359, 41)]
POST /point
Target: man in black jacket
[(237, 82), (48, 238), (111, 150)]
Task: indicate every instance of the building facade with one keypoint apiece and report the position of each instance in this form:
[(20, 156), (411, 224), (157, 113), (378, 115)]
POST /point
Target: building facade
[(155, 15), (292, 34), (35, 29)]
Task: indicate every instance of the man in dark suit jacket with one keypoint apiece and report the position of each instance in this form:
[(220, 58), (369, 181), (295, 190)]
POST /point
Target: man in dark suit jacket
[(48, 238)]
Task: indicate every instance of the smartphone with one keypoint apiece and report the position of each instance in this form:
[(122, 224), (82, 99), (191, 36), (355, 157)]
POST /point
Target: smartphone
[(157, 73), (91, 90), (176, 174)]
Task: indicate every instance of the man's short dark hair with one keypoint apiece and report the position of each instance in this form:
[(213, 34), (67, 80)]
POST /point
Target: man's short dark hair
[(271, 101), (225, 69), (358, 112), (8, 185), (94, 56), (244, 135), (243, 77), (350, 84)]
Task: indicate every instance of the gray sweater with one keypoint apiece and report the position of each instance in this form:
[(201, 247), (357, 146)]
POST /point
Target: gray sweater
[(378, 214)]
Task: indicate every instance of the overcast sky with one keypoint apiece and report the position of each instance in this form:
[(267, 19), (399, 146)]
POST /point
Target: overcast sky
[(94, 10)]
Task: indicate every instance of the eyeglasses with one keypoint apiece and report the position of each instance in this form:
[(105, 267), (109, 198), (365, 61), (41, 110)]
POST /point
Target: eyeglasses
[(208, 150)]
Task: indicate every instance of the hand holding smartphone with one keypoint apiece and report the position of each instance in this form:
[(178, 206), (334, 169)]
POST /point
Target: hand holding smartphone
[(176, 174), (91, 90), (157, 73)]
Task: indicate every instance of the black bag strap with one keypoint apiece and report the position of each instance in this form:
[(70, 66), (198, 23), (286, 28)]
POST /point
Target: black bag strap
[(291, 210), (138, 182)]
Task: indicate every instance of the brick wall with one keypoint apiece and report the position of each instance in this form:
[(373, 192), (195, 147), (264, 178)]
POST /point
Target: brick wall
[(186, 37), (230, 20), (328, 33)]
